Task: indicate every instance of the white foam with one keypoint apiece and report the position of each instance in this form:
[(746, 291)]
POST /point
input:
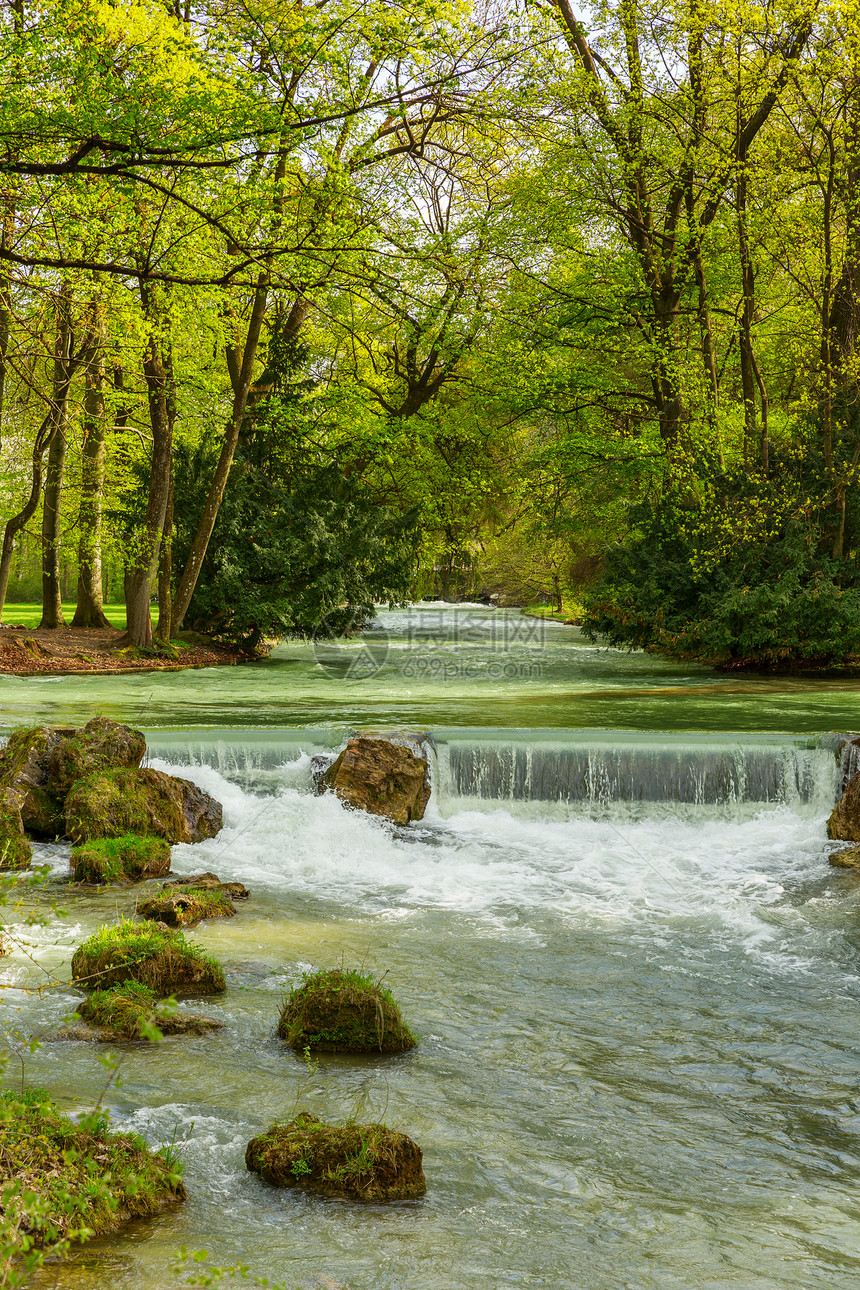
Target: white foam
[(723, 876)]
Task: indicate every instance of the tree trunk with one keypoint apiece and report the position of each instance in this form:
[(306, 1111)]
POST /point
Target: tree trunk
[(748, 381), (242, 385), (165, 573), (52, 602), (89, 611), (142, 570), (17, 522)]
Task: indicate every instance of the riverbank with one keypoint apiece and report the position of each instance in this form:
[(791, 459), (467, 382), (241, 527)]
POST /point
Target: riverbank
[(61, 651)]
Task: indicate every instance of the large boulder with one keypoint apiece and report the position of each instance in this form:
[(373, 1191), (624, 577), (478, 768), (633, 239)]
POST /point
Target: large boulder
[(42, 763), (143, 801), (100, 745), (844, 823), (15, 850), (25, 766), (356, 1161), (380, 777)]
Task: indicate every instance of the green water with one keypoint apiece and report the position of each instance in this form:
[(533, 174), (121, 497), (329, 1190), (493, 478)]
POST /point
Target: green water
[(633, 973), (442, 666)]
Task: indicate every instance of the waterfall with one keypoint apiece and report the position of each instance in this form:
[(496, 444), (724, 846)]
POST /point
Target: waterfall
[(596, 774), (584, 771)]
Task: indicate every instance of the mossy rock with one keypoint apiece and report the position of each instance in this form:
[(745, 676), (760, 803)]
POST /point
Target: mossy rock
[(365, 1162), (210, 882), (183, 906), (15, 850), (99, 745), (64, 1179), (25, 767), (146, 802), (126, 859), (341, 1011), (128, 1011), (155, 956)]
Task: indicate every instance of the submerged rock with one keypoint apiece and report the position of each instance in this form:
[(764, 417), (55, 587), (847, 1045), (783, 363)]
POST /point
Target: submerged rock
[(380, 777), (125, 859), (128, 1011), (185, 905), (153, 955), (147, 802), (366, 1162), (339, 1011), (15, 850), (844, 822)]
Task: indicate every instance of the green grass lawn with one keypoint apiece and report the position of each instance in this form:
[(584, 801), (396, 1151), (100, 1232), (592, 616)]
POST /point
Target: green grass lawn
[(31, 615)]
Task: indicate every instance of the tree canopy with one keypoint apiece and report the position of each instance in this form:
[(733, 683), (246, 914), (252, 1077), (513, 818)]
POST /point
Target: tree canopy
[(303, 307)]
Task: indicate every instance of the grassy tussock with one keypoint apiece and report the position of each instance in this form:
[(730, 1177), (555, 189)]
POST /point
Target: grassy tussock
[(130, 1011), (125, 859), (146, 953), (343, 1011)]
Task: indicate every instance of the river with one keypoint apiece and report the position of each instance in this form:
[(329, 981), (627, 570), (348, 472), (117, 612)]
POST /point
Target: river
[(633, 973)]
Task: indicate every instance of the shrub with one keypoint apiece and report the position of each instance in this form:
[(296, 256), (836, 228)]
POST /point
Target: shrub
[(64, 1181), (766, 601)]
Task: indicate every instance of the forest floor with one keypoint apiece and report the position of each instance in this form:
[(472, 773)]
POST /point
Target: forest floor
[(29, 651)]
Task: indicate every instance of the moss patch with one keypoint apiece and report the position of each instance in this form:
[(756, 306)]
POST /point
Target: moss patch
[(126, 859), (180, 906), (100, 745), (149, 954), (126, 1011), (357, 1161), (24, 766), (848, 859), (340, 1011), (66, 1181)]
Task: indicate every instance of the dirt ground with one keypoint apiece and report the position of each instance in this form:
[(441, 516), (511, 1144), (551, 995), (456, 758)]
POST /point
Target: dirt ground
[(27, 651)]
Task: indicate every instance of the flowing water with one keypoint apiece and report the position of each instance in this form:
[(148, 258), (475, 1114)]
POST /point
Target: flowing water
[(633, 973)]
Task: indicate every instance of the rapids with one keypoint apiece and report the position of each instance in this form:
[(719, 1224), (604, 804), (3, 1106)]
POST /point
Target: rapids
[(633, 973)]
